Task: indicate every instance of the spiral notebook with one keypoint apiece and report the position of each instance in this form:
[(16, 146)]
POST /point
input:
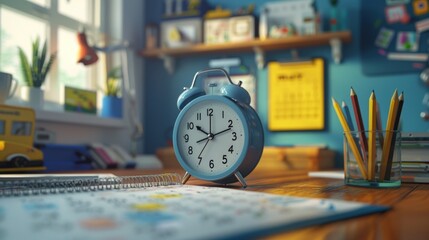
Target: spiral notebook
[(154, 207)]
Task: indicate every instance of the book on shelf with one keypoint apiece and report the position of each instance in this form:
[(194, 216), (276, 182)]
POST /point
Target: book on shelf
[(153, 207), (414, 177)]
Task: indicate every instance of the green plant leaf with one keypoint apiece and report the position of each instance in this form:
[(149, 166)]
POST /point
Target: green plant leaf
[(35, 59), (113, 86), (47, 67), (43, 57), (25, 68), (36, 72)]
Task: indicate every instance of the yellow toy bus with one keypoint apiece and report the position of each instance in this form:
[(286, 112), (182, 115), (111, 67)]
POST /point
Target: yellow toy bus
[(17, 126)]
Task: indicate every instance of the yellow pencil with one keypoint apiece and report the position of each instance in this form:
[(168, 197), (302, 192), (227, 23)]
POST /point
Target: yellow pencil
[(389, 134), (372, 127), (350, 139), (392, 143)]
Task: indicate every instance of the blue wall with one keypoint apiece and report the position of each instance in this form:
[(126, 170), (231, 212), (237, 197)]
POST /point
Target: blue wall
[(162, 89)]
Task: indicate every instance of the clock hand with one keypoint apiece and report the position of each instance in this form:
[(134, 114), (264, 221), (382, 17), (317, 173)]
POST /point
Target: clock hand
[(206, 138), (201, 130), (211, 136), (199, 155), (210, 124), (221, 131)]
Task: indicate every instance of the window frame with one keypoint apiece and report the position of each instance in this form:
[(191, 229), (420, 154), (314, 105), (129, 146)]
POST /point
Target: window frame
[(54, 20)]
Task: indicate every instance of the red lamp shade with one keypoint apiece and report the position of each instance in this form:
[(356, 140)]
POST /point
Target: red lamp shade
[(86, 54)]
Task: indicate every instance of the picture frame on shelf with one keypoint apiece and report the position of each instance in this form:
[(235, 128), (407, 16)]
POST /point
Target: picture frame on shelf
[(230, 29), (288, 18), (216, 31), (181, 32), (242, 28)]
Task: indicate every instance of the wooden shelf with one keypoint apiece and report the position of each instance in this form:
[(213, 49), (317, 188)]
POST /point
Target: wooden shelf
[(249, 46), (259, 47)]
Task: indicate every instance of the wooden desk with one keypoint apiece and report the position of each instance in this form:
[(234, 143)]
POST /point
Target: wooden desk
[(408, 218)]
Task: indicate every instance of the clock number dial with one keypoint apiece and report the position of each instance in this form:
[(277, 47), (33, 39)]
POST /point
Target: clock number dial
[(190, 125), (234, 136), (224, 159), (231, 149), (210, 112), (230, 123), (212, 137)]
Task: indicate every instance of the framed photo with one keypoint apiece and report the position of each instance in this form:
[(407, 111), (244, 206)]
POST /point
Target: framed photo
[(181, 33), (216, 30), (80, 100), (233, 29), (287, 18), (241, 28)]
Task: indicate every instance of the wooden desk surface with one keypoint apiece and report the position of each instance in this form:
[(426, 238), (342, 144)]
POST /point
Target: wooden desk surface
[(408, 218)]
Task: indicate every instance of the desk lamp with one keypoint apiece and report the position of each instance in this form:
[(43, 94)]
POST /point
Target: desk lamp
[(87, 55)]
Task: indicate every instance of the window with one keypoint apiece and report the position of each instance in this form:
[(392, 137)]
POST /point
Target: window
[(1, 127), (58, 22), (21, 128)]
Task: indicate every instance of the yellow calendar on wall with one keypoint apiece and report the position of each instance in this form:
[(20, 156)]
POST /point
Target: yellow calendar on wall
[(296, 95)]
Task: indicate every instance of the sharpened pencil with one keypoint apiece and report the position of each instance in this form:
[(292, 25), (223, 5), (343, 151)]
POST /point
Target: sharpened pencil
[(360, 127), (350, 139), (379, 126), (348, 115), (395, 129), (372, 132), (389, 134)]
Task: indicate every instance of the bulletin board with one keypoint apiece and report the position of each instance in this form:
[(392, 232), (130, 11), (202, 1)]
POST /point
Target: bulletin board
[(296, 95), (394, 36)]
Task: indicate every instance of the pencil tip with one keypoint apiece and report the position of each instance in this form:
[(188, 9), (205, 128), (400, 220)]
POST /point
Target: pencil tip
[(352, 91), (343, 103), (395, 93)]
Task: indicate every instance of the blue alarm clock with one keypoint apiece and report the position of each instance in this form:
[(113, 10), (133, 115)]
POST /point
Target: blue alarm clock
[(217, 138)]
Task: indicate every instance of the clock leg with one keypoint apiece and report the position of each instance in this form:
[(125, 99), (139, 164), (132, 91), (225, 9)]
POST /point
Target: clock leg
[(186, 177), (240, 178)]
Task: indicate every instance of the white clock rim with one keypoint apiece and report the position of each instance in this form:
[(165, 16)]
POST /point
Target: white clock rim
[(234, 168)]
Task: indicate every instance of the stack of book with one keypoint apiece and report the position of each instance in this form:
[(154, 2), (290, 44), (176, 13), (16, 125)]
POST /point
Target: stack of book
[(415, 157)]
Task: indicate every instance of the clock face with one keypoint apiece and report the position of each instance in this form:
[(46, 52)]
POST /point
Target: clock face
[(210, 137)]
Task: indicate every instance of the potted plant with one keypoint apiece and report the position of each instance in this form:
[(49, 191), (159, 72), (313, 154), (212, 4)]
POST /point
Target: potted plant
[(35, 72), (112, 101)]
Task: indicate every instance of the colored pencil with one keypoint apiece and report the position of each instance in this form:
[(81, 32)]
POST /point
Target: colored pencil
[(350, 139), (360, 127), (347, 115), (379, 126), (372, 122), (388, 137), (395, 129)]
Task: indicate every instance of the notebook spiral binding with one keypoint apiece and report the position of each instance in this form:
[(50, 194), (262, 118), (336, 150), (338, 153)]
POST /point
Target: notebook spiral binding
[(57, 185)]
